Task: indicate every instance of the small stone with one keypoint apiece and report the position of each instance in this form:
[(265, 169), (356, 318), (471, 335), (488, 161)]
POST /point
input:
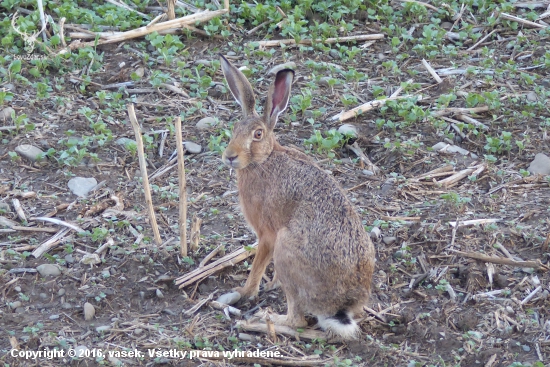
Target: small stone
[(126, 142), (206, 123), (89, 311), (191, 147), (30, 152), (202, 62), (334, 54), (532, 96), (5, 222), (216, 91), (104, 328), (5, 208), (398, 254), (9, 87), (5, 114), (138, 331), (447, 25), (114, 361), (49, 270), (388, 240), (81, 186), (54, 317), (80, 351), (367, 172), (231, 53), (247, 337), (510, 310), (17, 289), (61, 292), (375, 233), (159, 293), (105, 273), (229, 298), (540, 165), (140, 72), (348, 130), (69, 258), (308, 114), (15, 305), (43, 296), (66, 306), (526, 348), (287, 65)]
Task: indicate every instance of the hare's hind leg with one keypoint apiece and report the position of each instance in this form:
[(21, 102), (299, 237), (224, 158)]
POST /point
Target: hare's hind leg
[(264, 254), (294, 317)]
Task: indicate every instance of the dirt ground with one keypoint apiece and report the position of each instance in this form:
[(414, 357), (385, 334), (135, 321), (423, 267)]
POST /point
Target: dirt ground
[(431, 306)]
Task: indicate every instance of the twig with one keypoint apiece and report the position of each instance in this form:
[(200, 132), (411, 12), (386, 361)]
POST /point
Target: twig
[(531, 295), (343, 116), (19, 210), (62, 31), (35, 229), (357, 150), (49, 244), (255, 29), (124, 6), (174, 89), (60, 223), (207, 270), (143, 169), (469, 120), (358, 38), (522, 21), (481, 40), (171, 11), (199, 305), (459, 110), (451, 181), (446, 170), (473, 222), (431, 71), (195, 236), (210, 256), (183, 189), (537, 265), (307, 334)]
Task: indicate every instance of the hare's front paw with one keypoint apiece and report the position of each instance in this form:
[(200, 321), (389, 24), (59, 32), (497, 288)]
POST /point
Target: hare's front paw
[(269, 286), (229, 298)]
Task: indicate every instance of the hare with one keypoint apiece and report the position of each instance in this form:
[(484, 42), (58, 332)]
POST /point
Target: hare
[(322, 256)]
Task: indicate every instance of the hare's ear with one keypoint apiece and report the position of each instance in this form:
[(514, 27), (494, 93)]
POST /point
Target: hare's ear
[(277, 98), (239, 86)]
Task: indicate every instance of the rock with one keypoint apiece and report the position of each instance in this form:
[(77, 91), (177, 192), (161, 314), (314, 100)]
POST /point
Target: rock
[(89, 311), (287, 65), (30, 152), (81, 186), (399, 254), (540, 165), (159, 293), (231, 53), (348, 130), (388, 240), (126, 142), (140, 72), (202, 62), (80, 351), (191, 147), (61, 292), (69, 258), (17, 289), (5, 114), (375, 233), (15, 305), (5, 222), (9, 87), (44, 296), (510, 310), (229, 298), (532, 96), (104, 328), (449, 148), (334, 54), (526, 348), (138, 331), (66, 306), (5, 208), (447, 25), (216, 91), (206, 123), (49, 270), (54, 317), (366, 172)]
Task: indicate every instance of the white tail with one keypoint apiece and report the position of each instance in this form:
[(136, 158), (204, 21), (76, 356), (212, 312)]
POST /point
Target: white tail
[(342, 325)]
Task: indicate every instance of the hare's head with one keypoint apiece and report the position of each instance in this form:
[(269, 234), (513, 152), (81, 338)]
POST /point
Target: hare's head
[(253, 138)]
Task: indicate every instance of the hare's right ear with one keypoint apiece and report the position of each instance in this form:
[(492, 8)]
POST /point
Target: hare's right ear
[(239, 86), (277, 97)]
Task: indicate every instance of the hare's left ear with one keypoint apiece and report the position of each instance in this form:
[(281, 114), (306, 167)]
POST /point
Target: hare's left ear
[(239, 87), (277, 98)]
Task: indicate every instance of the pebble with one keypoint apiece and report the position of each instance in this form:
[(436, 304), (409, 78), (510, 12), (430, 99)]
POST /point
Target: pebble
[(100, 329), (510, 310), (54, 317), (105, 273), (217, 91), (5, 222), (80, 350), (526, 348), (43, 296), (398, 254), (229, 298), (388, 240), (69, 258), (334, 54), (30, 152), (202, 62), (191, 147), (125, 142), (49, 270), (375, 232), (532, 96), (159, 293), (540, 165), (61, 292), (66, 306), (15, 304), (89, 311), (5, 114), (348, 129), (231, 53), (206, 123), (140, 72), (138, 331), (366, 172), (287, 65), (81, 186)]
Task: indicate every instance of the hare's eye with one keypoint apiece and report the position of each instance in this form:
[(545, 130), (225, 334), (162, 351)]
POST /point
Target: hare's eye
[(258, 134)]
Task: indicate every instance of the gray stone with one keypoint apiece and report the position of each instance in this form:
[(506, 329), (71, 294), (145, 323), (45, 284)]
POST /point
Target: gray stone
[(191, 147), (206, 123), (287, 65), (366, 172), (49, 270), (54, 317), (5, 222), (231, 53), (125, 142), (334, 54), (5, 114), (532, 96), (89, 311), (140, 72), (100, 329), (61, 292), (66, 306), (80, 351), (15, 305), (202, 62), (348, 130), (43, 296), (69, 258), (81, 186), (138, 331), (17, 289), (159, 293), (229, 298), (30, 152), (375, 233), (540, 165), (388, 240), (449, 148)]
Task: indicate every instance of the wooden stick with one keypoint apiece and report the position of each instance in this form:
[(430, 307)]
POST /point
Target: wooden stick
[(210, 256), (469, 120), (357, 150), (528, 23), (60, 223), (459, 110), (143, 169), (35, 229), (413, 219), (195, 235), (228, 260), (62, 31), (49, 244), (183, 188), (124, 6), (459, 176), (354, 112), (465, 223), (429, 6), (537, 265), (171, 12), (447, 169), (307, 334), (19, 210), (358, 38), (481, 40), (142, 31), (431, 71)]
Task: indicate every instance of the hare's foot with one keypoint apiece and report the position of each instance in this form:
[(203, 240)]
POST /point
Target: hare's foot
[(229, 298), (273, 284), (292, 320)]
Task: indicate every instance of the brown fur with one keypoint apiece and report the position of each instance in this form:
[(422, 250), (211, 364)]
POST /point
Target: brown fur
[(323, 258)]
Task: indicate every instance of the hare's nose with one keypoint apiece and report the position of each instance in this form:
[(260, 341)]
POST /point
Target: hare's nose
[(231, 159)]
